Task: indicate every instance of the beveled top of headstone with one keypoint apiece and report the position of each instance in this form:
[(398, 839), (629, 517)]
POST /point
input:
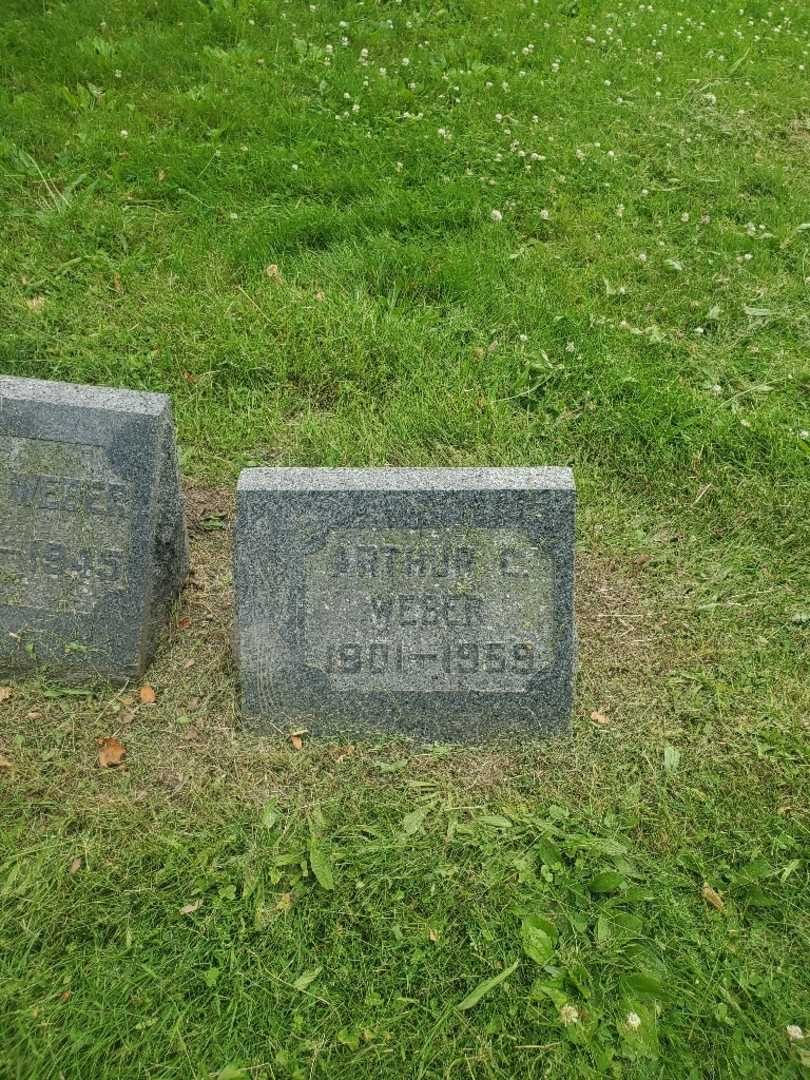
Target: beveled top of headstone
[(407, 479), (109, 398)]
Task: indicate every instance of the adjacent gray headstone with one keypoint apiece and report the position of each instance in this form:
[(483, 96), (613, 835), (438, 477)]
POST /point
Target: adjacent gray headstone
[(432, 602), (92, 535)]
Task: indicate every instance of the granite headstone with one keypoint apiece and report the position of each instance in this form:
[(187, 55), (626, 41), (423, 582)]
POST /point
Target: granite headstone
[(92, 533), (432, 602)]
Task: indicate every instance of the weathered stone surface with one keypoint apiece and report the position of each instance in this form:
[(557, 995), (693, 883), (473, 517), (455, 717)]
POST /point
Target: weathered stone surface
[(92, 534), (433, 602)]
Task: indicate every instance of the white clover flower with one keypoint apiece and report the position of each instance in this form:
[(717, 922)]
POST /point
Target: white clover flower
[(794, 1032), (124, 133), (642, 256), (523, 337), (496, 215), (544, 214), (117, 73), (555, 67), (569, 1014)]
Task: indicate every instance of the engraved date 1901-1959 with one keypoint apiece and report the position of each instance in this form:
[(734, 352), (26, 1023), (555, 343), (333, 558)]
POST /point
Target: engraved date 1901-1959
[(60, 560), (452, 657)]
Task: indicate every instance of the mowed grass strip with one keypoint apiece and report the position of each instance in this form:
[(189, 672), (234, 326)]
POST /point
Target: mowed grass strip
[(413, 234)]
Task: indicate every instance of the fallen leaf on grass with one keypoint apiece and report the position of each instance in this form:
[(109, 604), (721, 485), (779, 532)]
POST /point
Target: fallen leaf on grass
[(712, 897), (189, 909), (75, 865), (599, 717), (433, 935), (6, 692), (273, 272), (110, 752), (65, 995), (147, 695), (117, 282), (184, 623), (297, 742), (5, 763)]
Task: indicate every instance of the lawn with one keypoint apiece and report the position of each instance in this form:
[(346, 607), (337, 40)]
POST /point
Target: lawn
[(368, 233)]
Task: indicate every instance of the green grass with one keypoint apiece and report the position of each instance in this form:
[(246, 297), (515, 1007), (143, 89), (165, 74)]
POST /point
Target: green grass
[(191, 202)]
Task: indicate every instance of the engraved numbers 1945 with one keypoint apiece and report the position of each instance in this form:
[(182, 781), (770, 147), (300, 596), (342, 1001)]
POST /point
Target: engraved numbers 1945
[(59, 560)]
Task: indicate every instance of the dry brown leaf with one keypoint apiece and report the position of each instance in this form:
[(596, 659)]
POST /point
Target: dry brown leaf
[(297, 741), (5, 763), (147, 694), (161, 176), (110, 752), (65, 995), (184, 623), (189, 909), (712, 897), (117, 282), (273, 272), (433, 935), (599, 717), (6, 692), (319, 295), (75, 865), (188, 664)]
